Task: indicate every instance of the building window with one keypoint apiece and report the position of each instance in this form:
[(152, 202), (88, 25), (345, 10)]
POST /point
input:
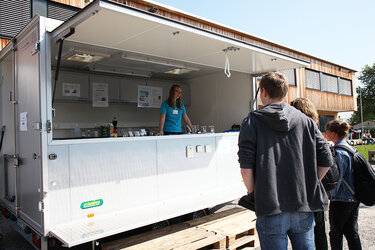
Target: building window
[(290, 75), (60, 11), (312, 79), (14, 15), (345, 87), (330, 83), (323, 120)]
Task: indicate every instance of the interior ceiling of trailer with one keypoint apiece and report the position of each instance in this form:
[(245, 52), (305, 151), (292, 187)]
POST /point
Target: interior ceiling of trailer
[(114, 32)]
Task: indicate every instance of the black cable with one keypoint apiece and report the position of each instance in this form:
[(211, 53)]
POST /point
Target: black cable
[(2, 137), (57, 70)]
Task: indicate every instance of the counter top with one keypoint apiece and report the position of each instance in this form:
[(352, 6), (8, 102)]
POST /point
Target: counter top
[(140, 138)]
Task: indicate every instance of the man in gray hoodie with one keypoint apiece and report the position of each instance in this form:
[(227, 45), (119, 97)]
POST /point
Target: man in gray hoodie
[(283, 156)]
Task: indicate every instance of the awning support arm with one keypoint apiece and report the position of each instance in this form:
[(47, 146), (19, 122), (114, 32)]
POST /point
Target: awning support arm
[(61, 41)]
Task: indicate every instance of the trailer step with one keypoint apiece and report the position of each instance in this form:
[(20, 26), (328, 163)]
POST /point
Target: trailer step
[(230, 229)]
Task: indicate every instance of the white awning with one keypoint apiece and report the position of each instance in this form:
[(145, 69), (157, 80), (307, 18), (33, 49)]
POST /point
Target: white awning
[(116, 26)]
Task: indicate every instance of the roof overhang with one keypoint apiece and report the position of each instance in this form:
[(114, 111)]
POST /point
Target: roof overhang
[(117, 26)]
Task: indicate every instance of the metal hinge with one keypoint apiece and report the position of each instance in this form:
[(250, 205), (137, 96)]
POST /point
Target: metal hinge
[(36, 48), (49, 126), (41, 206), (38, 126), (12, 98), (16, 162)]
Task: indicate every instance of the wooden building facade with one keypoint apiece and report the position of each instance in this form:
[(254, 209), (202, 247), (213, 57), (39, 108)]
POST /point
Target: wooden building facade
[(329, 86)]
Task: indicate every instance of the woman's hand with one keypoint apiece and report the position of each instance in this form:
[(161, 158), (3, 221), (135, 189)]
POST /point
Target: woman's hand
[(161, 124)]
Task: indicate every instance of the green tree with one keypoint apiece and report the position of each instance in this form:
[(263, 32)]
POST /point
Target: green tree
[(367, 77)]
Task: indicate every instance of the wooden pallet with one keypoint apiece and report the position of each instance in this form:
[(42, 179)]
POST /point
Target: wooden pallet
[(230, 229), (238, 225), (178, 236)]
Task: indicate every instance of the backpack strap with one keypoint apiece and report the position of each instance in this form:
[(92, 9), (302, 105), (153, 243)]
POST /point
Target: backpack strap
[(352, 151), (347, 148), (348, 186)]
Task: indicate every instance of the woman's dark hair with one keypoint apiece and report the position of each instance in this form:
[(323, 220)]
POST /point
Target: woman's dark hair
[(170, 98), (338, 127)]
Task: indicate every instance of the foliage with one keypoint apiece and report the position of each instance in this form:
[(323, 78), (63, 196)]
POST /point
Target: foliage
[(363, 149), (367, 77)]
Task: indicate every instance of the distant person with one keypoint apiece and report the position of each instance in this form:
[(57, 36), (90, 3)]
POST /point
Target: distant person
[(343, 209), (307, 107), (171, 113), (350, 135), (280, 150), (367, 137)]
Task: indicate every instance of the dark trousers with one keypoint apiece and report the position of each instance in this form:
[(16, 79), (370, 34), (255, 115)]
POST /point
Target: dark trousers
[(172, 133), (320, 235), (343, 219)]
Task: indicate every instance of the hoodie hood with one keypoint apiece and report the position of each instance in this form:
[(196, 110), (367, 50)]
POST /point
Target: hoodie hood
[(278, 116)]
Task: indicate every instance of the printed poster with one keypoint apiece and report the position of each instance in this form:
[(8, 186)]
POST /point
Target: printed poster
[(156, 94), (150, 97), (71, 89), (144, 94), (100, 94)]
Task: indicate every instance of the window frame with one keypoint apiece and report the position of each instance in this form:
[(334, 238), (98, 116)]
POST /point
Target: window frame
[(321, 82)]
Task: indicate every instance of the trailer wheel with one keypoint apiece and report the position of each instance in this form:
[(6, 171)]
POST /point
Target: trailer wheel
[(195, 215), (199, 214), (160, 224)]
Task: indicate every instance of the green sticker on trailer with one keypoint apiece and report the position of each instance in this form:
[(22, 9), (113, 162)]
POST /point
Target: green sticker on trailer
[(91, 204)]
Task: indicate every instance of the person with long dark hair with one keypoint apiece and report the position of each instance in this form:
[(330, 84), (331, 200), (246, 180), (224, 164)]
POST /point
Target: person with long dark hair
[(171, 113), (344, 207)]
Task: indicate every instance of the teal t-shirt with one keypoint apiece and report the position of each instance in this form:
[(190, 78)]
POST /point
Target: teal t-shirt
[(172, 117)]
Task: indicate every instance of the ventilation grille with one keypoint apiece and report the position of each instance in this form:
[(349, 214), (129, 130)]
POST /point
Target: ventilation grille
[(345, 87), (312, 79), (290, 75), (330, 83), (14, 15)]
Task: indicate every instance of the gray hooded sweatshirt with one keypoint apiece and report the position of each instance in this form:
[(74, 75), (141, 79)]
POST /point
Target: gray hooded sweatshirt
[(284, 147)]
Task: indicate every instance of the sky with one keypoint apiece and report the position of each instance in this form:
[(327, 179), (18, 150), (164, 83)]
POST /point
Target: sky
[(341, 32)]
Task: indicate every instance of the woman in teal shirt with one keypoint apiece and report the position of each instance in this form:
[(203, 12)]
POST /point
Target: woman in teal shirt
[(171, 112)]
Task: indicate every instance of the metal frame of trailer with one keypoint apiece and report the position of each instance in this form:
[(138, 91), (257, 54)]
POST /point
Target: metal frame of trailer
[(83, 190)]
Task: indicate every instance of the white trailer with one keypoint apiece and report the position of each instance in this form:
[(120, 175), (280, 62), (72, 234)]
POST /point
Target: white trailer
[(79, 189)]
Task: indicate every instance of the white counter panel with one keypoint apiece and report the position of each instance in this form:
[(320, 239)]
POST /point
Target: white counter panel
[(144, 179), (228, 170), (123, 175), (180, 175)]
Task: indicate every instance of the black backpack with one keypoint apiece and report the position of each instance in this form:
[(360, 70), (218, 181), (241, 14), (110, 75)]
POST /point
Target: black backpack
[(363, 177), (332, 177)]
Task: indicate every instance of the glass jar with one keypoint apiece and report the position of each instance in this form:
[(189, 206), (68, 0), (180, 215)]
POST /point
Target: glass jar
[(204, 129), (211, 129)]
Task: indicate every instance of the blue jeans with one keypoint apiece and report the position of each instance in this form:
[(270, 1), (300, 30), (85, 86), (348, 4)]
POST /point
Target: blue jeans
[(274, 230)]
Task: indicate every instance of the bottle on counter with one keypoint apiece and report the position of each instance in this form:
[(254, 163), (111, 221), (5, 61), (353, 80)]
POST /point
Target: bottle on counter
[(115, 129), (104, 131)]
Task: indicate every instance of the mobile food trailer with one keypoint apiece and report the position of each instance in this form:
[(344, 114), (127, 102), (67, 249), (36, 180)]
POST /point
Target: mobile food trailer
[(61, 81)]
